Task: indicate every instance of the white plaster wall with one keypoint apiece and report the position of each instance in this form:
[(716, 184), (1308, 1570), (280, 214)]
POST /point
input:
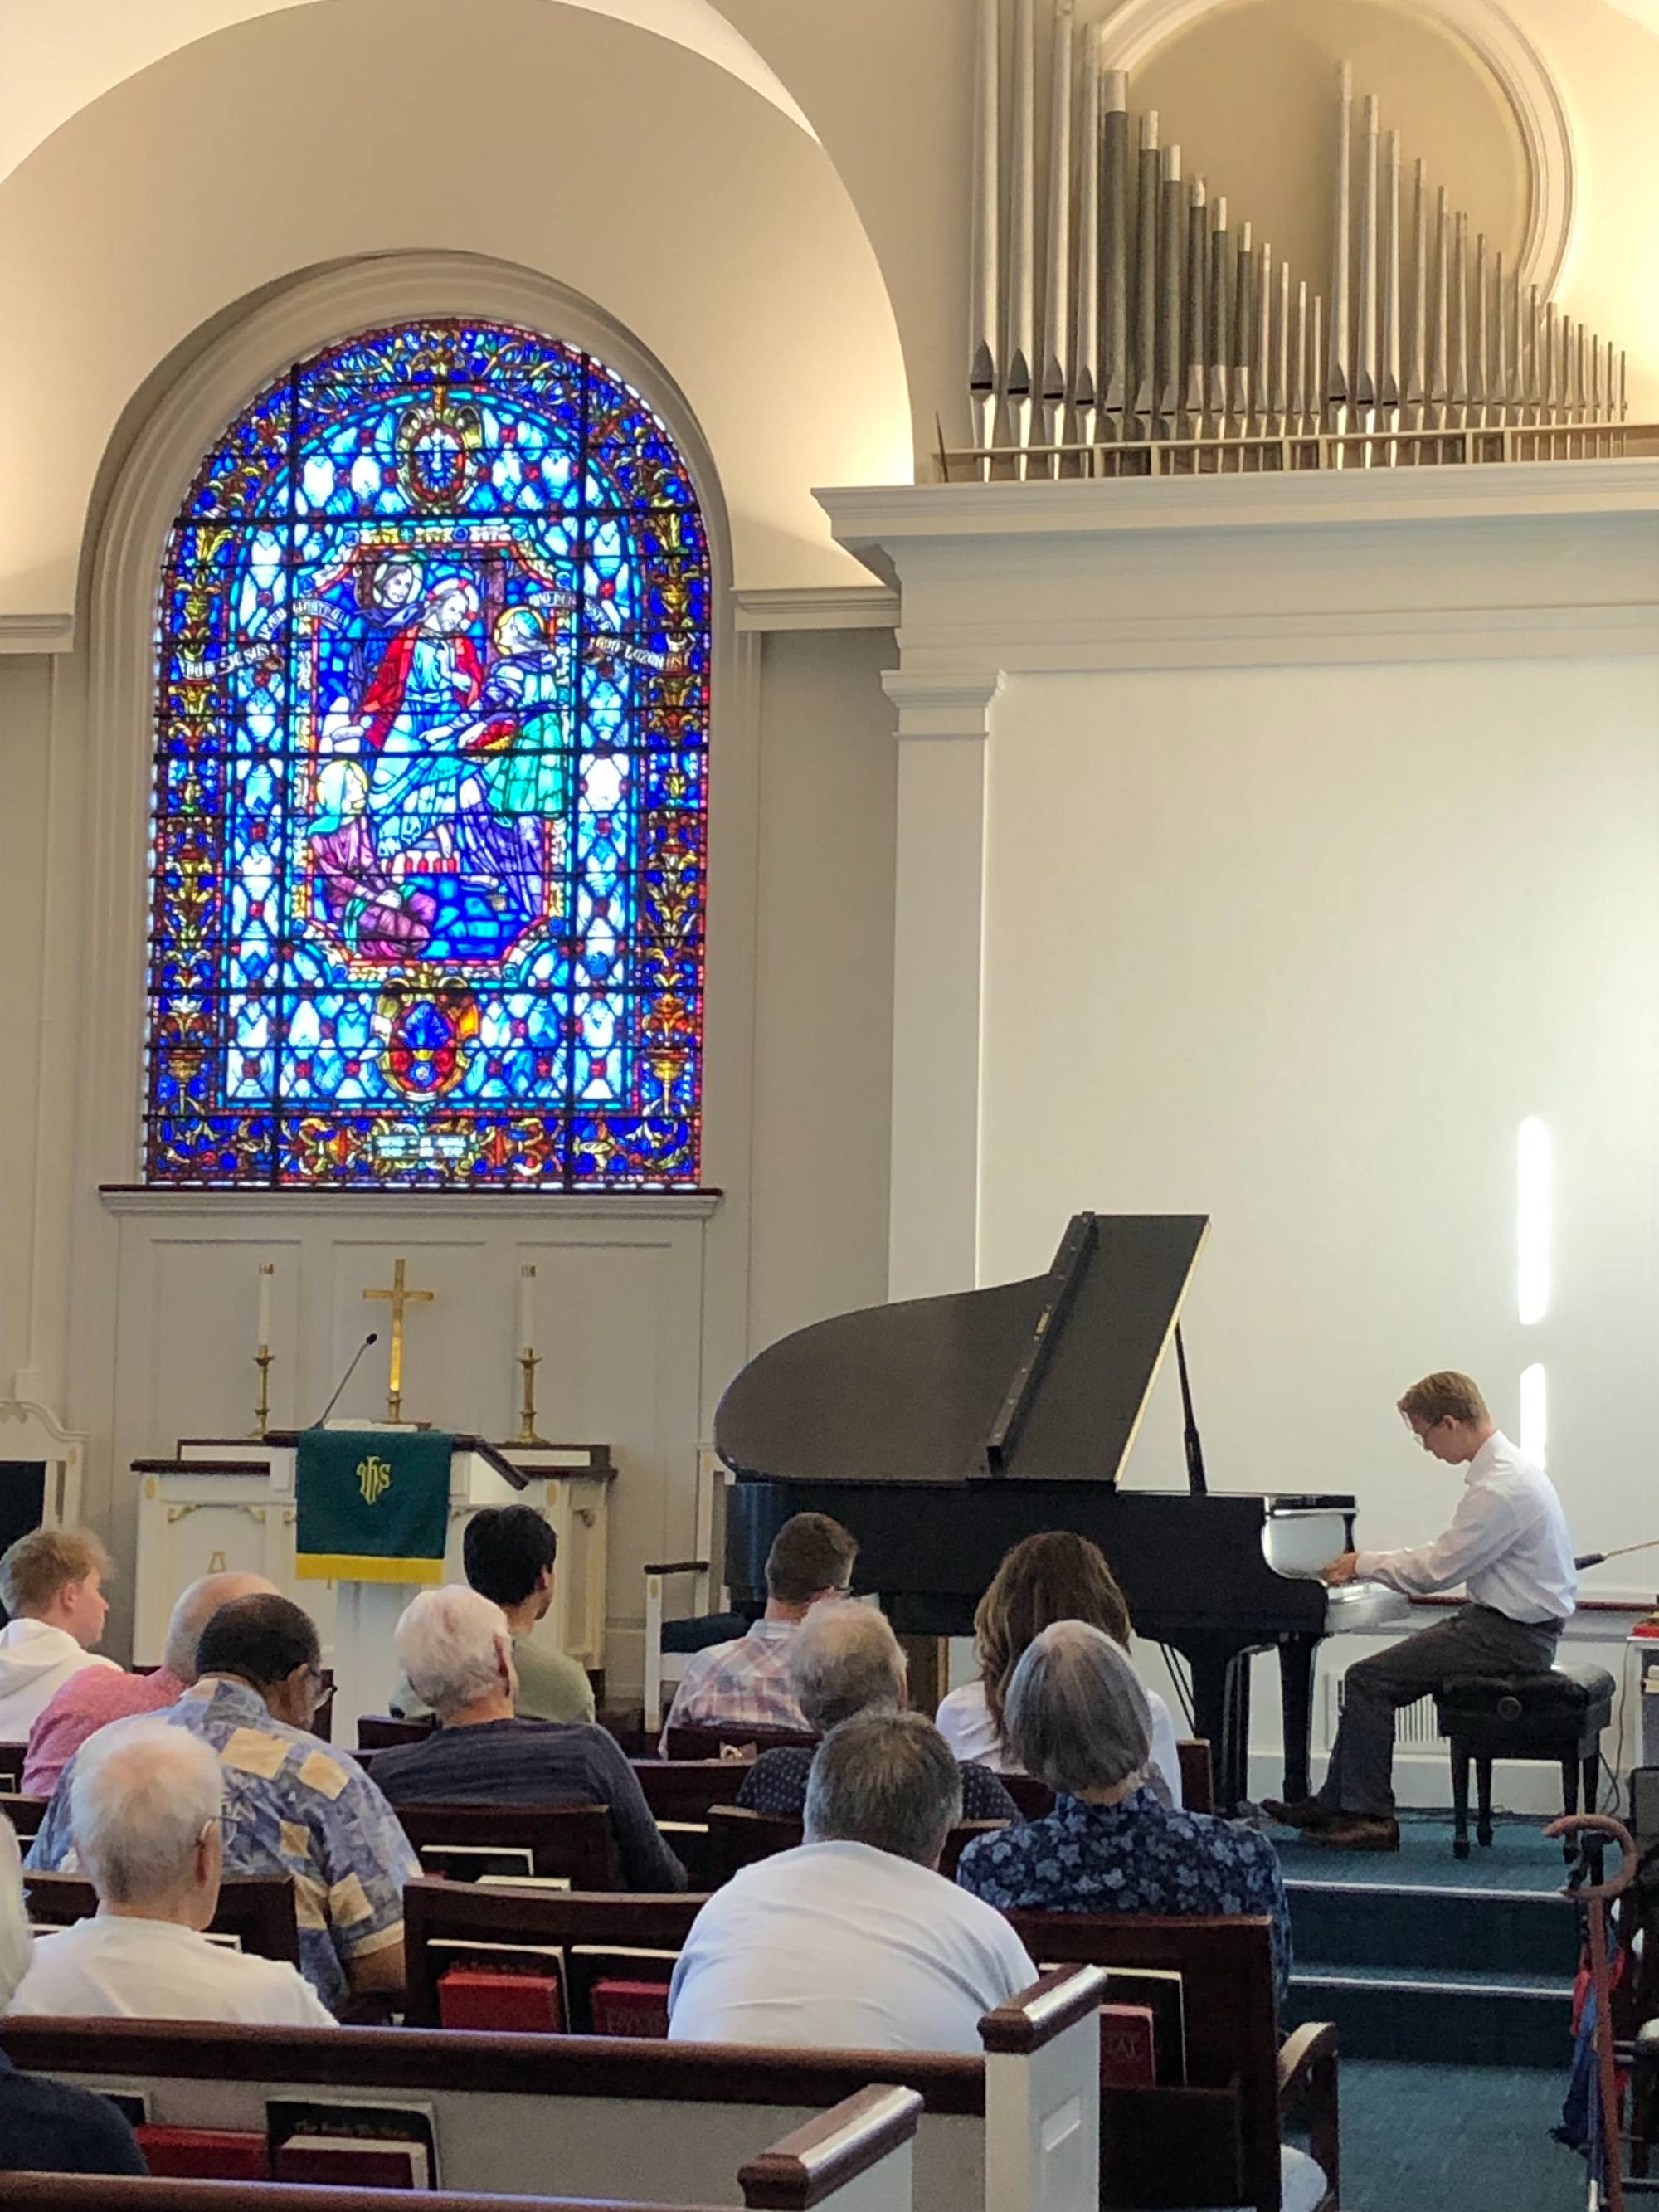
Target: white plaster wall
[(824, 993), (1299, 947), (705, 221)]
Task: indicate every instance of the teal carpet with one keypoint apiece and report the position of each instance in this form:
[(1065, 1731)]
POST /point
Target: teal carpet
[(1519, 1857), (1454, 2139)]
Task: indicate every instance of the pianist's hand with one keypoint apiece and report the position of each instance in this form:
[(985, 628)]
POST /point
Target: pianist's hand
[(1341, 1569)]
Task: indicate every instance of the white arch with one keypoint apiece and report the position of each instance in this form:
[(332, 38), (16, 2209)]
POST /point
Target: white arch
[(57, 56), (1131, 31)]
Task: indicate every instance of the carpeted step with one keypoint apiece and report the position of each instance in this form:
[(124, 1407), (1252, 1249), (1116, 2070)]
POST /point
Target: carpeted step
[(1492, 2019), (1472, 1932)]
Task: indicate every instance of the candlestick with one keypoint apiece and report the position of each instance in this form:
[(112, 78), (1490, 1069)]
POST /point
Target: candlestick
[(528, 1434), (262, 1359)]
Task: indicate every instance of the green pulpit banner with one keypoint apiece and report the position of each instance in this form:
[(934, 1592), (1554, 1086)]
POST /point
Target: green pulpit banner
[(373, 1505)]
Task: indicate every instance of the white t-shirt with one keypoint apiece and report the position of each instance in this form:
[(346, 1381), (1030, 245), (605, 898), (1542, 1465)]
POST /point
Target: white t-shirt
[(112, 1968), (842, 1946), (963, 1719), (36, 1660)]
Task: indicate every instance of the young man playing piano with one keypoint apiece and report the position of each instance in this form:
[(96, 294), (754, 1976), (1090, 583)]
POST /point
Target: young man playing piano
[(1508, 1545)]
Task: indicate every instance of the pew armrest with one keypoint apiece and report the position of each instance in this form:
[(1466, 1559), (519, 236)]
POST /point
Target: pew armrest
[(818, 2163), (1308, 2067)]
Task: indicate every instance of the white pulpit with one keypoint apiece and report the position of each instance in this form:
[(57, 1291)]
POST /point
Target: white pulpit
[(220, 1504)]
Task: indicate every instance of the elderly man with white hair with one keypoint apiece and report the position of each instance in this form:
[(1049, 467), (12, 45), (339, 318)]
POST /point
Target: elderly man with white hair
[(1076, 1716), (844, 1659), (145, 1806), (853, 1939), (455, 1649), (46, 2126), (95, 1696)]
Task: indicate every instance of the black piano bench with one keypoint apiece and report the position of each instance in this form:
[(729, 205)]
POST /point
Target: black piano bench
[(1558, 1717)]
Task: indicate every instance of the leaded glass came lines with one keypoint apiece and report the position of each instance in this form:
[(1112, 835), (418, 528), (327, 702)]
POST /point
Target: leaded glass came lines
[(431, 781)]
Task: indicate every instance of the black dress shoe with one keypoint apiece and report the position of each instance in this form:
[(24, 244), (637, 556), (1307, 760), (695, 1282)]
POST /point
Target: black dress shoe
[(1301, 1813)]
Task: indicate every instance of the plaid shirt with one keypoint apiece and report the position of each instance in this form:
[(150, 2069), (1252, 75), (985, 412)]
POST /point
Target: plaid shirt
[(744, 1684), (294, 1807)]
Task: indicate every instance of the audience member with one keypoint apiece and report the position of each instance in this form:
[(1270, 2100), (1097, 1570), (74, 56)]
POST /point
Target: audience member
[(456, 1649), (146, 1807), (1077, 1718), (1053, 1575), (507, 1552), (47, 2127), (853, 1939), (291, 1806), (95, 1696), (843, 1661), (51, 1586), (745, 1683)]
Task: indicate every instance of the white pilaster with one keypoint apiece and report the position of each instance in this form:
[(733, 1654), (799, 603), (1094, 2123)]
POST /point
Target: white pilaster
[(944, 723)]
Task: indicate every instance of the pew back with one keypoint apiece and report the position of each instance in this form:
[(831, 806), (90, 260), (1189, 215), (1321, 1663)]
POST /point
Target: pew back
[(257, 1909), (568, 1843), (737, 1837)]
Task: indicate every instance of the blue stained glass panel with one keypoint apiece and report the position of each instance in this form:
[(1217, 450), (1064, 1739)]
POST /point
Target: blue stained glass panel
[(432, 676)]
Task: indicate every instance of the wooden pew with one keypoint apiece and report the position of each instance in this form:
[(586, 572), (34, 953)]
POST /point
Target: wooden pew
[(257, 1909), (570, 1843), (12, 1756), (857, 2157), (604, 2116), (381, 1731), (25, 1813), (737, 1837), (1222, 2132), (680, 1793), (727, 1741)]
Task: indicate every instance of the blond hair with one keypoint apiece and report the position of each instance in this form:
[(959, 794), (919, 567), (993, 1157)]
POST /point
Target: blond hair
[(37, 1566), (1445, 1395)]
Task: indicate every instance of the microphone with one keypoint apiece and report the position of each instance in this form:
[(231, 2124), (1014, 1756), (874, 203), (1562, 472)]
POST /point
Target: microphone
[(373, 1337)]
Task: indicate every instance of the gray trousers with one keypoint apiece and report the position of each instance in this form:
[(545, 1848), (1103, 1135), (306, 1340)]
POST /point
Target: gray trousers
[(1476, 1641)]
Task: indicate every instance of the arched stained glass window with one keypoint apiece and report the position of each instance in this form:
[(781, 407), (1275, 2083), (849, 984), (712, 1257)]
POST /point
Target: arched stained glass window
[(431, 781)]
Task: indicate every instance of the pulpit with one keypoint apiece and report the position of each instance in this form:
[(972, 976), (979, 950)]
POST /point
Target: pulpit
[(221, 1502)]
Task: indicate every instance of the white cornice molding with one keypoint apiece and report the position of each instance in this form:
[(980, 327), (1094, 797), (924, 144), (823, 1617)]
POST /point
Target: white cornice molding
[(867, 517), (45, 633), (837, 606), (397, 1207), (951, 704), (1132, 32)]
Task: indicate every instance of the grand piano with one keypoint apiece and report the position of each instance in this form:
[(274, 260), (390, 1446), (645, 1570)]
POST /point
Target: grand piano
[(940, 1430)]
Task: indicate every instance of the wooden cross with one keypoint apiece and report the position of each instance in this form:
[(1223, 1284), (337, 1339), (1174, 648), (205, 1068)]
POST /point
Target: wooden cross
[(398, 1297)]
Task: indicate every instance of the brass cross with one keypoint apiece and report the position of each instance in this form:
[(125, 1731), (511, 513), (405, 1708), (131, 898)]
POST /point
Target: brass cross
[(398, 1298)]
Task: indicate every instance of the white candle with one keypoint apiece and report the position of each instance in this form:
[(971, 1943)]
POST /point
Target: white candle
[(266, 1271), (526, 1308)]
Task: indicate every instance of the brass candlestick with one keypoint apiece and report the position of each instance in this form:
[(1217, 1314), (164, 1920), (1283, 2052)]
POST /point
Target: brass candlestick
[(262, 1359), (529, 1362)]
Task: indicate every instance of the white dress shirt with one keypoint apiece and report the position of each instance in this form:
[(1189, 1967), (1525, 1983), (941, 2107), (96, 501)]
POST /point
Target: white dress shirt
[(115, 1968), (963, 1719), (1508, 1543), (842, 1946)]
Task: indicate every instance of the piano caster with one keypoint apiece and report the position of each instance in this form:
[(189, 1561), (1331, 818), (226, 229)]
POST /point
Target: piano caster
[(1459, 1847)]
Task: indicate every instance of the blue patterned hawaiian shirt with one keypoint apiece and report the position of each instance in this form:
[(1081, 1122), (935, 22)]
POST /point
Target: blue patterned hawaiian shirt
[(294, 1807), (1138, 1856)]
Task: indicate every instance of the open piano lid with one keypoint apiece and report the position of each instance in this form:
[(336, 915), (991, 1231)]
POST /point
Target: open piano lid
[(1046, 1378)]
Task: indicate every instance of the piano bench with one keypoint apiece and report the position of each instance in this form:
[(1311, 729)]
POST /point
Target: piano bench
[(1558, 1717)]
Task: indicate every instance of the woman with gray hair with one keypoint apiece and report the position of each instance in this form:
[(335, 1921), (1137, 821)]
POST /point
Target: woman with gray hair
[(844, 1659), (1077, 1718), (46, 2127)]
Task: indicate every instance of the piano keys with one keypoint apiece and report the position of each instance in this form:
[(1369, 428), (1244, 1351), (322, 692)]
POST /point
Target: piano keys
[(942, 1431)]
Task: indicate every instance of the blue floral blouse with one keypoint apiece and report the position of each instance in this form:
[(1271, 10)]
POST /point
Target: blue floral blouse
[(1138, 1856)]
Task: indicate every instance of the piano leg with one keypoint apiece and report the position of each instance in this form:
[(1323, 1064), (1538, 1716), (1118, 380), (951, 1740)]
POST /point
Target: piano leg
[(1296, 1673), (1221, 1715)]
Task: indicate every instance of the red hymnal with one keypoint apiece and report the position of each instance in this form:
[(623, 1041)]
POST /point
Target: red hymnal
[(1128, 2047), (522, 2004), (353, 2161), (629, 2008), (204, 2153)]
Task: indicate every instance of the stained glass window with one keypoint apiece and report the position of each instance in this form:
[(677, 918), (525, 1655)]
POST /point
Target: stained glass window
[(431, 780)]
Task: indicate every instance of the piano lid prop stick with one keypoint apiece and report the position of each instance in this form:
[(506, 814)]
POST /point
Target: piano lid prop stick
[(1599, 1558)]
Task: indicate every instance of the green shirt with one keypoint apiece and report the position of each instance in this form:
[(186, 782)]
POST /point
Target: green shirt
[(551, 1687)]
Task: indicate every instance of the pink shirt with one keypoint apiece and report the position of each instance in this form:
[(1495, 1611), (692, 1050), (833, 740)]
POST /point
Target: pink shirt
[(86, 1703)]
